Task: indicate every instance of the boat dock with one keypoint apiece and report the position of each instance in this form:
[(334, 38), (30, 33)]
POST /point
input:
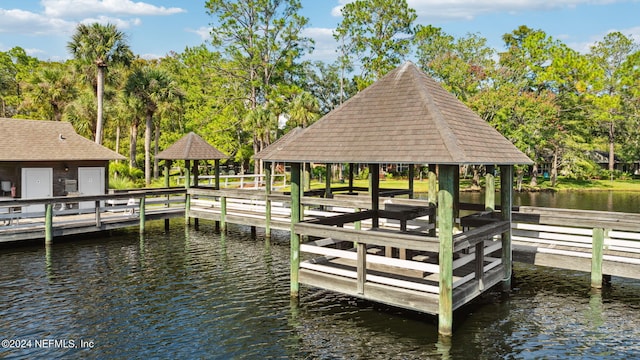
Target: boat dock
[(396, 262)]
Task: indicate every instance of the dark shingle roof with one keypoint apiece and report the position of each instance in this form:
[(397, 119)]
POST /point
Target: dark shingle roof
[(191, 147), (39, 140), (405, 117)]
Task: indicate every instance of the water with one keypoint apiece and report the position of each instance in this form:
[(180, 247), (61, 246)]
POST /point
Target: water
[(197, 294)]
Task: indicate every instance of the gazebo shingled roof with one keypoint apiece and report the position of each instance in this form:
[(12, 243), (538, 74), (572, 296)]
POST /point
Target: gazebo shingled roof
[(191, 147), (405, 117)]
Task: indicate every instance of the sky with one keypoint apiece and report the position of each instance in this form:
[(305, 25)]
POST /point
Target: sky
[(157, 27)]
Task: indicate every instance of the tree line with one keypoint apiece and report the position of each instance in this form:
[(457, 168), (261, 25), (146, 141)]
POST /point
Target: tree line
[(250, 84)]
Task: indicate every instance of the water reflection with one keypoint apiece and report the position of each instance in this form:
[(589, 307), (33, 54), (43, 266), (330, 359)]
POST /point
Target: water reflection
[(200, 294)]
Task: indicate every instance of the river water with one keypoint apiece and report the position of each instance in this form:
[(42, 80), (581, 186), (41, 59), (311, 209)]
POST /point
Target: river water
[(198, 294)]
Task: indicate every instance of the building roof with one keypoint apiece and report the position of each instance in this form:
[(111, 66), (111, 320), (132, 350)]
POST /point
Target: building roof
[(405, 117), (191, 147), (40, 140)]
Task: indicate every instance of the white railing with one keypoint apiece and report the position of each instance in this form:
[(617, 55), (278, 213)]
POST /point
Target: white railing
[(239, 181)]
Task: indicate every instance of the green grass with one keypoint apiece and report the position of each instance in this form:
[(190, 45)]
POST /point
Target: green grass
[(543, 185)]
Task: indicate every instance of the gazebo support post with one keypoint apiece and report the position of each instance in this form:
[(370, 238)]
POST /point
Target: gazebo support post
[(446, 178), (374, 189), (327, 183), (411, 175), (490, 189), (295, 218), (216, 165), (433, 196), (506, 202), (351, 169), (267, 193), (187, 185)]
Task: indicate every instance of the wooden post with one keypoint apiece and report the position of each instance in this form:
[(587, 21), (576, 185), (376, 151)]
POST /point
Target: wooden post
[(267, 193), (446, 179), (187, 185), (351, 169), (223, 214), (48, 222), (374, 188), (196, 173), (433, 197), (167, 184), (295, 238), (217, 173), (98, 221), (411, 175), (327, 182), (506, 202), (142, 214), (596, 257), (362, 267), (490, 190)]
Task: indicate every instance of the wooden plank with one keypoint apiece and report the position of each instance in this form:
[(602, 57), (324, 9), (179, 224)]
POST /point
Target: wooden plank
[(379, 238), (471, 237)]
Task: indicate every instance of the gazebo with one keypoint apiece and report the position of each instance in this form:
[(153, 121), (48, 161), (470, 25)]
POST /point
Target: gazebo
[(407, 118), (191, 147)]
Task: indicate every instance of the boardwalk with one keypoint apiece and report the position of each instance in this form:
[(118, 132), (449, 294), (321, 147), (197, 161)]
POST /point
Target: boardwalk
[(86, 214)]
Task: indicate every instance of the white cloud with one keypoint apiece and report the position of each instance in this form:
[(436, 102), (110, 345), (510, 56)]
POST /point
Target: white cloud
[(204, 32), (30, 23), (325, 44), (434, 10), (440, 10), (584, 47), (86, 8)]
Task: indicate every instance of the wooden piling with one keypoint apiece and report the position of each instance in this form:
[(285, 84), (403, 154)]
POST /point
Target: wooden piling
[(267, 212), (596, 257), (48, 224), (187, 185), (223, 214), (142, 215), (295, 238), (446, 178), (506, 202)]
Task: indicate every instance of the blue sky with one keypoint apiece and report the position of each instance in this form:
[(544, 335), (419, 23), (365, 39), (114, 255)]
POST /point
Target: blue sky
[(156, 27)]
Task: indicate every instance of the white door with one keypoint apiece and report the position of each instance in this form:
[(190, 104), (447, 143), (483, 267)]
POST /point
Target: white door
[(36, 183), (90, 182)]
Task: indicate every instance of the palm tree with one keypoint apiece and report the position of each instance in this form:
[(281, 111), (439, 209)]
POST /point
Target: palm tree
[(101, 45), (152, 87), (49, 90)]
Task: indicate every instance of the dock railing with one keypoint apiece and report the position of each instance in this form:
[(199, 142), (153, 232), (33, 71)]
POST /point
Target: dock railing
[(22, 219), (603, 243), (254, 181)]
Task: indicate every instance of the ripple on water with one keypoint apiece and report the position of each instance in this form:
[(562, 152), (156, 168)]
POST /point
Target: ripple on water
[(207, 296)]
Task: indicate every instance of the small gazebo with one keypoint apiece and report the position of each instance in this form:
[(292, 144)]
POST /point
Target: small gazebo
[(407, 118), (192, 147)]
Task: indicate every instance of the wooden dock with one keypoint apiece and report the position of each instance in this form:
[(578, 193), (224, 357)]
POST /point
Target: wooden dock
[(62, 216), (395, 262)]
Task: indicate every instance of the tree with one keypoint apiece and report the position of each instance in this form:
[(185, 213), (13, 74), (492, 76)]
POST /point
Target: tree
[(304, 110), (49, 90), (609, 57), (462, 65), (261, 41), (15, 67), (378, 33), (102, 46), (151, 87)]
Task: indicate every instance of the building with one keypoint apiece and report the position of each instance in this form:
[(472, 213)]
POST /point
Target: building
[(40, 159)]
